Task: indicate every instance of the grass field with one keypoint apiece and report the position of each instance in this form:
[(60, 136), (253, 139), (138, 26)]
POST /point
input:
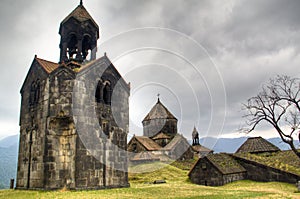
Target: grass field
[(177, 186)]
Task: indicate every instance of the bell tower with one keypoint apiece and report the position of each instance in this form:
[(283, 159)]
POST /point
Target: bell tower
[(79, 34)]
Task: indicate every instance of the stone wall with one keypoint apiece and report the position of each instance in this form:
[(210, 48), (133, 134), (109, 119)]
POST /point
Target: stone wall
[(62, 139), (102, 127), (259, 172), (204, 173), (33, 117), (154, 126)]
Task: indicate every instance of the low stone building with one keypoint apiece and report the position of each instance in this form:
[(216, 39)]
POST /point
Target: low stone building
[(265, 173), (216, 170), (257, 159)]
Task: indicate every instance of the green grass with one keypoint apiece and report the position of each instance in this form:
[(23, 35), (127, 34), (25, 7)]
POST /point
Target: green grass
[(283, 160), (177, 186)]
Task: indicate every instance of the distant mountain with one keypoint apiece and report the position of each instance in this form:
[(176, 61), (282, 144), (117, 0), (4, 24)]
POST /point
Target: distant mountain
[(8, 160), (230, 145), (9, 141)]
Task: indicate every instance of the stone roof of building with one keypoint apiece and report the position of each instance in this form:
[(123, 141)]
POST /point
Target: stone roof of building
[(144, 156), (286, 161), (176, 140), (159, 111), (200, 148), (161, 135), (81, 14), (149, 144), (48, 66), (257, 145), (225, 163)]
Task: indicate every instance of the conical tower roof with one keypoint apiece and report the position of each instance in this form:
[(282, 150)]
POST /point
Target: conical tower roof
[(80, 14), (257, 145), (159, 111)]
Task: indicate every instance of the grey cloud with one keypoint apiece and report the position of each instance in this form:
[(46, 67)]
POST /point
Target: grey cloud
[(250, 41)]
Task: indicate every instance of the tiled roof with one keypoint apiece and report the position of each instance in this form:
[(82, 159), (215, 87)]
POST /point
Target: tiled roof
[(159, 111), (200, 148), (144, 156), (81, 14), (257, 145), (149, 144), (47, 65), (161, 135), (225, 163)]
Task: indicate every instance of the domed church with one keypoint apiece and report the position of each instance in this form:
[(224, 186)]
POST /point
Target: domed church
[(160, 137)]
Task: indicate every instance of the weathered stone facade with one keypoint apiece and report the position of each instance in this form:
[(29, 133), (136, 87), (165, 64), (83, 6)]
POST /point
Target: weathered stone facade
[(72, 133), (216, 170)]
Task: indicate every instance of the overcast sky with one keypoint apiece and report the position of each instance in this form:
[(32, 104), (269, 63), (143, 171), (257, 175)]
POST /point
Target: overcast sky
[(204, 57)]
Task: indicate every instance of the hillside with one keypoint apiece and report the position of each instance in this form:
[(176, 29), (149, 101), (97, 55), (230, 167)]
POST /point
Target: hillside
[(177, 186)]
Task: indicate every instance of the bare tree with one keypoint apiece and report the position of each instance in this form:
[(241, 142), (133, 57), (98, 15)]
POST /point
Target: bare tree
[(278, 104)]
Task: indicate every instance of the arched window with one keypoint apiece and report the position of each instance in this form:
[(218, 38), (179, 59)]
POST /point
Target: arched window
[(34, 93), (99, 91), (37, 92), (72, 46), (134, 148), (107, 93), (86, 46)]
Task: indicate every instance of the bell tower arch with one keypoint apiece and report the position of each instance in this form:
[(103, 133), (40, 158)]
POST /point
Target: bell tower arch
[(79, 34)]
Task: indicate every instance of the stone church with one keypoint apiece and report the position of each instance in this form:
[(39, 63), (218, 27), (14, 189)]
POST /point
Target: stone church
[(72, 133), (160, 139)]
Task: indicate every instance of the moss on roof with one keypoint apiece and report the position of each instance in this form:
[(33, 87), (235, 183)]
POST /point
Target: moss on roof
[(225, 163), (282, 160)]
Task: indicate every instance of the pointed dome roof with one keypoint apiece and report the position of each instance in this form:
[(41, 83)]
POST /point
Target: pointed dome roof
[(80, 14), (257, 145), (159, 111)]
